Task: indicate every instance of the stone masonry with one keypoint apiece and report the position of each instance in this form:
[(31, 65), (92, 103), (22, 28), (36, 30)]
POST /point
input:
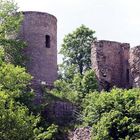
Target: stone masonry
[(115, 64), (39, 30), (81, 134), (135, 66)]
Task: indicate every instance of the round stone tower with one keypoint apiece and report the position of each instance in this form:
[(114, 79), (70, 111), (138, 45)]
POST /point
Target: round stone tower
[(39, 30)]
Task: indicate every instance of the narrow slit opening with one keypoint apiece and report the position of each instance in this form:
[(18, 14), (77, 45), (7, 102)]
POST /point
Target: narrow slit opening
[(127, 76), (47, 41)]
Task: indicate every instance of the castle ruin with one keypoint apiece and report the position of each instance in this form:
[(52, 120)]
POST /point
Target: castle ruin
[(39, 30), (116, 64)]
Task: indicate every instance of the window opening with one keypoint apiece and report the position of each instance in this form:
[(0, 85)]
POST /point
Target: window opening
[(127, 75), (47, 41)]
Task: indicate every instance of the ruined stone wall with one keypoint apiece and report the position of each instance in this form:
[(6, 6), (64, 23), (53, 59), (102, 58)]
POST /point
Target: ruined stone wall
[(110, 62), (42, 59), (135, 66), (60, 112)]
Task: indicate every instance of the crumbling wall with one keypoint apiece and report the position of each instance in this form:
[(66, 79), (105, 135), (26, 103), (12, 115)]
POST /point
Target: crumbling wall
[(135, 66), (60, 112), (110, 62)]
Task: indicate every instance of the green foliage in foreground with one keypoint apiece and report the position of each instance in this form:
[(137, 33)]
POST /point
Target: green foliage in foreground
[(16, 123), (79, 86), (13, 79), (114, 115)]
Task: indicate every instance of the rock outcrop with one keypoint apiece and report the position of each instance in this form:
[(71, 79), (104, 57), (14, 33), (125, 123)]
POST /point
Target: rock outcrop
[(82, 134)]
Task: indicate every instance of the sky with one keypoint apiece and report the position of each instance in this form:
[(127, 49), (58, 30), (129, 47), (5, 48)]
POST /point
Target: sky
[(115, 20)]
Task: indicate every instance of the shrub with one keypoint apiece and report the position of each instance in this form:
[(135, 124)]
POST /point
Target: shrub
[(79, 86), (114, 115), (16, 123)]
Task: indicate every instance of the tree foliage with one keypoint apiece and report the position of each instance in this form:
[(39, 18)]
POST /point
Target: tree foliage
[(9, 19), (77, 89), (10, 22), (113, 115), (17, 123), (76, 50), (13, 79)]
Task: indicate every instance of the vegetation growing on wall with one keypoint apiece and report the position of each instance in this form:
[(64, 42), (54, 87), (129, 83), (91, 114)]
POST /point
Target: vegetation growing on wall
[(76, 89)]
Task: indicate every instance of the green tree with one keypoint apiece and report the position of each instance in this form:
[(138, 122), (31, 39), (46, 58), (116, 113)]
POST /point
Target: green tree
[(2, 57), (10, 21), (16, 123), (77, 89), (114, 115), (76, 50), (15, 81)]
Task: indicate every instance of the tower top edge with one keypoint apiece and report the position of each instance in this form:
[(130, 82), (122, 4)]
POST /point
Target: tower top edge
[(109, 41), (38, 13)]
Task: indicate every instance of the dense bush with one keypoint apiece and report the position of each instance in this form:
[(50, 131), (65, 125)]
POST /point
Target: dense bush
[(114, 115), (13, 79), (76, 89), (16, 123)]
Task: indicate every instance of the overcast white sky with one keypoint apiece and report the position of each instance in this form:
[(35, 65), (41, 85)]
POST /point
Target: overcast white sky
[(116, 20)]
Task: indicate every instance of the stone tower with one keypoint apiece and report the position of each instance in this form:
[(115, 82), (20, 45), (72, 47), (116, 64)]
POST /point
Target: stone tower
[(39, 30), (110, 60)]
